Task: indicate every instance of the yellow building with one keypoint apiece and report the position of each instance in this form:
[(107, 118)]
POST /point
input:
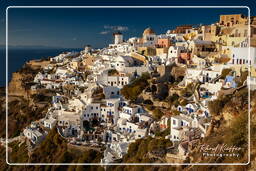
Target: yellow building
[(236, 35), (233, 19), (210, 31), (253, 31), (139, 57), (74, 64), (160, 51), (147, 51)]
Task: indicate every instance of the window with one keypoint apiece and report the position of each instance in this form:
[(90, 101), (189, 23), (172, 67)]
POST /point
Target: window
[(236, 33), (174, 122), (245, 33)]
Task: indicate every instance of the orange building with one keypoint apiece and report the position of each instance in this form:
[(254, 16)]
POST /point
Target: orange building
[(163, 43), (182, 29)]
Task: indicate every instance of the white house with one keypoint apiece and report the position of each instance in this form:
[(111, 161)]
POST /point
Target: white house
[(128, 111), (174, 52), (109, 110), (111, 92), (209, 74), (120, 148), (199, 62), (121, 62), (50, 123), (241, 56), (118, 38), (91, 111), (127, 127), (177, 122), (68, 118), (118, 80), (39, 77), (33, 135), (149, 38)]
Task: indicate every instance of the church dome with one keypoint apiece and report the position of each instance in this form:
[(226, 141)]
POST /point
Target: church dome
[(148, 31)]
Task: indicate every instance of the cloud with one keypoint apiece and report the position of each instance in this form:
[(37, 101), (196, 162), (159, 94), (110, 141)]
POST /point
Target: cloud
[(109, 29), (104, 32), (74, 39), (122, 28), (116, 28)]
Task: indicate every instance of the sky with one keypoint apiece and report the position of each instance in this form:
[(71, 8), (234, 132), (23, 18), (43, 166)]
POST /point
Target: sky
[(77, 27), (74, 28)]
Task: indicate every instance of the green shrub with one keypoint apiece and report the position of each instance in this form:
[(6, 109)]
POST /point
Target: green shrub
[(131, 91), (216, 106), (157, 114)]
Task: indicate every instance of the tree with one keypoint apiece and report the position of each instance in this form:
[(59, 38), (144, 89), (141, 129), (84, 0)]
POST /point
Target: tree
[(157, 114), (131, 91), (225, 72)]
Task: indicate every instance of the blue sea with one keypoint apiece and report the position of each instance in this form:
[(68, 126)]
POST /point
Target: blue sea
[(18, 57)]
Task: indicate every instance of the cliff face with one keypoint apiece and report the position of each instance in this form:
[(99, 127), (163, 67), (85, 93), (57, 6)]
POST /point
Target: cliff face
[(231, 127), (16, 85), (24, 105), (19, 84)]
